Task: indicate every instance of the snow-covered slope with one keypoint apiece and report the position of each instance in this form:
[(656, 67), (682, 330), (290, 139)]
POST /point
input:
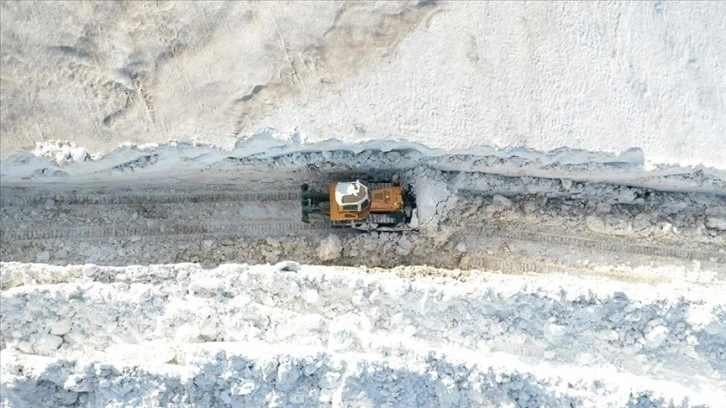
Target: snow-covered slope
[(600, 77)]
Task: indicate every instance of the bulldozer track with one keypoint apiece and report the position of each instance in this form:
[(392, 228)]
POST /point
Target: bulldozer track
[(602, 244), (251, 228), (100, 198)]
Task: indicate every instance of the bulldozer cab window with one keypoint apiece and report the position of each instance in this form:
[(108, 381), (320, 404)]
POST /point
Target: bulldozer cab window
[(350, 208), (365, 203)]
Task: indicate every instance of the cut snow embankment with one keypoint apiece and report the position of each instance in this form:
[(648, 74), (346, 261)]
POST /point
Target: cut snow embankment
[(289, 334), (63, 162)]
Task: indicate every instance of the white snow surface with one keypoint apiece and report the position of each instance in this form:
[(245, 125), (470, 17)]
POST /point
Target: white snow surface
[(304, 335), (110, 93), (455, 75)]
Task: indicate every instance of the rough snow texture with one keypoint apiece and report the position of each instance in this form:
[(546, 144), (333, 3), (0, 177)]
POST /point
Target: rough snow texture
[(65, 162), (302, 335), (248, 210), (601, 77), (330, 248), (556, 143), (241, 335)]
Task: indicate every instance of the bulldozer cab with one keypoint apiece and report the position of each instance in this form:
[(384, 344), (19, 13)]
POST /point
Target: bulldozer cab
[(349, 201), (352, 196)]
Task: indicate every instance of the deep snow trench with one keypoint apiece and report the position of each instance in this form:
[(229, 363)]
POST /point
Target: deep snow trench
[(182, 275)]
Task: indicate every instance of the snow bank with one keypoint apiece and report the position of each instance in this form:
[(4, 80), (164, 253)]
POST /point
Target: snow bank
[(63, 162), (256, 335)]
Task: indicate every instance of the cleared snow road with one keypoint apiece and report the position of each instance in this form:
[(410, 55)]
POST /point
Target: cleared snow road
[(540, 228)]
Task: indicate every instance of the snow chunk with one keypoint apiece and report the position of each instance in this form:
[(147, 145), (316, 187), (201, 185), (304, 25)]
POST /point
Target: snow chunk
[(566, 184), (43, 257), (330, 248), (656, 336), (206, 286), (405, 246), (245, 387), (716, 223), (287, 375), (61, 327), (501, 201), (311, 296), (47, 343), (287, 266)]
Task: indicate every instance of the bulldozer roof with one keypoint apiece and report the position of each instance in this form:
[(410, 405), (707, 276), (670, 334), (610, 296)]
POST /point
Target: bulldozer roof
[(350, 192)]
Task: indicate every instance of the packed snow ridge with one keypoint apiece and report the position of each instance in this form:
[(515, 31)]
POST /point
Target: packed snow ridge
[(64, 162), (290, 334)]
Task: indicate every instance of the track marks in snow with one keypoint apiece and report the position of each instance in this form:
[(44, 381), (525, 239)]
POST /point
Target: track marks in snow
[(153, 212), (597, 243), (85, 196), (238, 228), (535, 232)]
